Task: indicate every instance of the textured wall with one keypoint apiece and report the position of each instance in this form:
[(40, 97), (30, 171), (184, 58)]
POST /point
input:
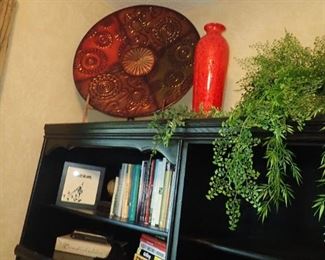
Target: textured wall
[(38, 86)]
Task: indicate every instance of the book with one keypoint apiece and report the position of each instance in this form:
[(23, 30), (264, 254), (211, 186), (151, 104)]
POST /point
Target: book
[(141, 192), (144, 194), (116, 183), (119, 193), (154, 241), (138, 257), (152, 249), (133, 200), (157, 191), (147, 255), (153, 246), (165, 197), (171, 197), (68, 244), (126, 192), (149, 185)]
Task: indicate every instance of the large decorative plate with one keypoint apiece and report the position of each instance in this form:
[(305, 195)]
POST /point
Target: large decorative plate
[(136, 61)]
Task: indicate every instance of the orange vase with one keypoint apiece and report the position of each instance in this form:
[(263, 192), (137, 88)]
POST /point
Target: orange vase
[(210, 68)]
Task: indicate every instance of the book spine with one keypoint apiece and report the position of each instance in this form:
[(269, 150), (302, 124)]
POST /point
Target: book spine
[(145, 193), (147, 255), (172, 197), (153, 241), (139, 257), (141, 194), (126, 192), (157, 192), (119, 195), (149, 192), (154, 193), (82, 247), (165, 197), (111, 213), (134, 192), (153, 250)]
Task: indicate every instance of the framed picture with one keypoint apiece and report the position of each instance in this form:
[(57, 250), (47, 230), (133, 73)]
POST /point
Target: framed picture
[(80, 185)]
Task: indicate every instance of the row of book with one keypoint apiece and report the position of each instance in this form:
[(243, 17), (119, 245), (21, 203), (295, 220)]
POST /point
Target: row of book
[(150, 248), (142, 193)]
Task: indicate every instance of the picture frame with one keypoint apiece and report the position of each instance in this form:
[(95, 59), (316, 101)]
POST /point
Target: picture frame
[(80, 185)]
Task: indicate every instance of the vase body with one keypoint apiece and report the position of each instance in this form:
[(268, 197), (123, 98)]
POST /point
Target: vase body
[(210, 68)]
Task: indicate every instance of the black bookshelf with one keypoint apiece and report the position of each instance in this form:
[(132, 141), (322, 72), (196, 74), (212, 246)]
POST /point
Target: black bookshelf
[(198, 227)]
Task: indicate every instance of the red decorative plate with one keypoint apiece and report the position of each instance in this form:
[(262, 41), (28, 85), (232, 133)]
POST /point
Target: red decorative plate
[(136, 61)]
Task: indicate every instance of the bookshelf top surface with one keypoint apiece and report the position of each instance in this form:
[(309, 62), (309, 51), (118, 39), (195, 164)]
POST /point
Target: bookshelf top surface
[(198, 128)]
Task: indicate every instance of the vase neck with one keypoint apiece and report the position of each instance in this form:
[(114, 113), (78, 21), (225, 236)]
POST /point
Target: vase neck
[(214, 27)]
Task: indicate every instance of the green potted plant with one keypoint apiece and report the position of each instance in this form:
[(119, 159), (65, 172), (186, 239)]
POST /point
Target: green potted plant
[(283, 88)]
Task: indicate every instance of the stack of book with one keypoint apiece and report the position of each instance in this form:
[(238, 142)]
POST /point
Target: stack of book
[(81, 245), (142, 193), (150, 248)]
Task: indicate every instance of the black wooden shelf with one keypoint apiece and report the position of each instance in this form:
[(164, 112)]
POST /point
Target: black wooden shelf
[(226, 248), (244, 248), (104, 217), (198, 227)]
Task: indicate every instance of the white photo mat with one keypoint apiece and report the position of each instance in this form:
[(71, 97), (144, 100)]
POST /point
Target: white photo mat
[(80, 185)]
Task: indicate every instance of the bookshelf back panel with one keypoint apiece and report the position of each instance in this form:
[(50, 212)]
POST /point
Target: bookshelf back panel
[(291, 226)]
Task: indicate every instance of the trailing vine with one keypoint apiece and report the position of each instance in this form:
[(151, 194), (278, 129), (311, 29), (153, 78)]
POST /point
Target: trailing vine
[(282, 90), (319, 203), (167, 121), (284, 86)]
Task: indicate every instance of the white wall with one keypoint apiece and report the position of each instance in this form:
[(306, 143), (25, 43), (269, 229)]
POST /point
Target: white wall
[(38, 87)]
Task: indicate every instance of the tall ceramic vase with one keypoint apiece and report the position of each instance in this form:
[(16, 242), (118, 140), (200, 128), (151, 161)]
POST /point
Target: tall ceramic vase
[(210, 68)]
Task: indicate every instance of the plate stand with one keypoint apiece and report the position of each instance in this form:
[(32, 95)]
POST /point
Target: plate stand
[(86, 109)]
